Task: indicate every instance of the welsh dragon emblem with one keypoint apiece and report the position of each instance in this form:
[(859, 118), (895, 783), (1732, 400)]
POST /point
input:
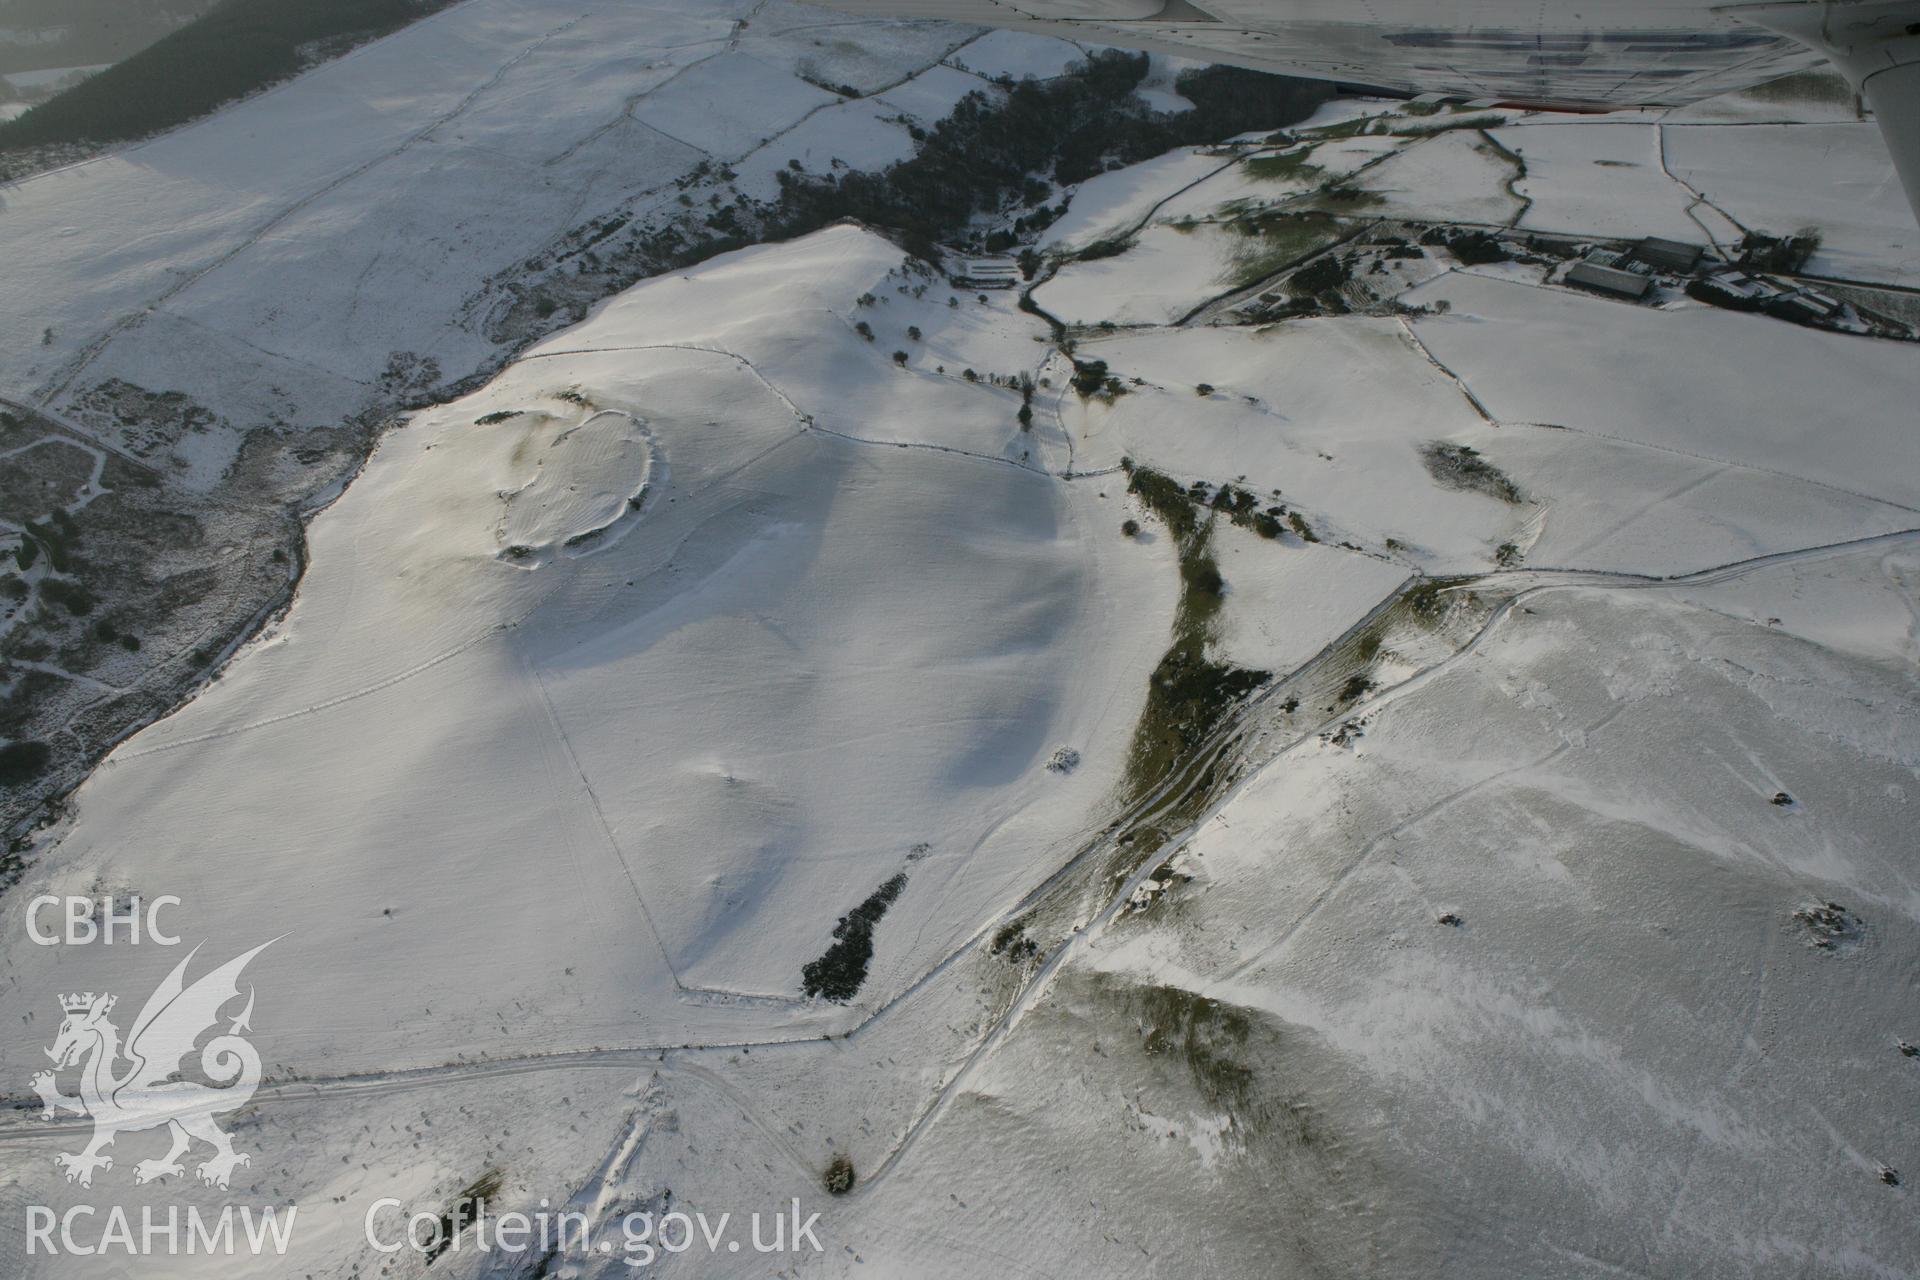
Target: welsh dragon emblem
[(147, 1092)]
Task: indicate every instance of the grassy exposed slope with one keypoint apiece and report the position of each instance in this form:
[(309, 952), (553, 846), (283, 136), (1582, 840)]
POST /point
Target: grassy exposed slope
[(1276, 241), (1188, 693)]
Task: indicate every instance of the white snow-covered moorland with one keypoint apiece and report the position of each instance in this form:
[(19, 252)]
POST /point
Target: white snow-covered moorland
[(229, 312), (1311, 748)]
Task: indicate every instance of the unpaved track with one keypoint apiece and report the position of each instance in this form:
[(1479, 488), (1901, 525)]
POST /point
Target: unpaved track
[(25, 1124)]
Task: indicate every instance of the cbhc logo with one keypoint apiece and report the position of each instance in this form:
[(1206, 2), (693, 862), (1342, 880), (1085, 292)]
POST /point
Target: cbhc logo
[(82, 926)]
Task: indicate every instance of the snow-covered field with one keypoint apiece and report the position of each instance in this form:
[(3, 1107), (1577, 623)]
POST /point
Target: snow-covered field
[(242, 304), (1169, 272), (1856, 203), (1549, 911), (274, 261), (1626, 1031), (698, 730)]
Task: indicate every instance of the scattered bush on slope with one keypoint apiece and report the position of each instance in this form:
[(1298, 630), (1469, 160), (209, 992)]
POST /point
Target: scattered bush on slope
[(22, 762), (1460, 466), (838, 973)]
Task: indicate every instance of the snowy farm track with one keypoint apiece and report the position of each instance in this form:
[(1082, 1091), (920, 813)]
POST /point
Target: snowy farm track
[(1531, 582)]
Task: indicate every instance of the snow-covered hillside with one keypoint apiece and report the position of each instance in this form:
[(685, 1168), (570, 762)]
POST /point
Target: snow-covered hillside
[(831, 628), (1352, 756), (229, 313), (271, 262)]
